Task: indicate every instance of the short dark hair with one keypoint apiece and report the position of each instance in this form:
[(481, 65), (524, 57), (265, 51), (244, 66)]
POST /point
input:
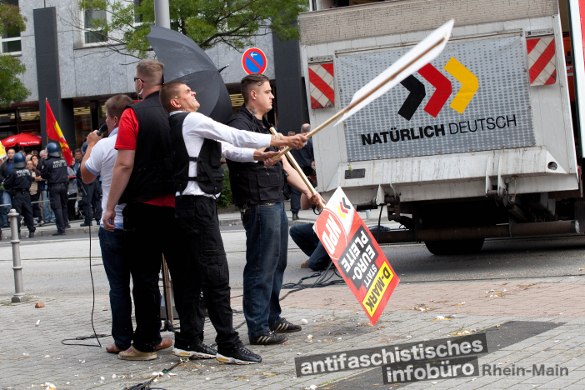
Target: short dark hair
[(169, 91), (116, 105), (151, 71), (78, 150), (248, 83)]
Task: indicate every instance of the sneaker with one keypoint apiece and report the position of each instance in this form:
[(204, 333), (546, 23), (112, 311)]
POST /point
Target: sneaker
[(305, 264), (134, 354), (295, 216), (200, 351), (283, 326), (68, 226), (58, 234), (85, 224), (238, 355), (267, 337)]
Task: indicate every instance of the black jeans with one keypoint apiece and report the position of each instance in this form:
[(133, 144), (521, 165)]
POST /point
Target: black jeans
[(58, 196), (36, 206), (151, 232), (205, 268)]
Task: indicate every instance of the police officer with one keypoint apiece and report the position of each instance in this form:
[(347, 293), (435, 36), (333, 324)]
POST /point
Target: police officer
[(18, 183), (54, 170)]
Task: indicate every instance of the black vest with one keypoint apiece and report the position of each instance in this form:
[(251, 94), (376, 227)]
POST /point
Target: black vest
[(151, 176), (54, 170), (209, 173), (254, 182)]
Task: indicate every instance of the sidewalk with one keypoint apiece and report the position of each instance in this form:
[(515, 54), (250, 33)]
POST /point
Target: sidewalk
[(549, 314)]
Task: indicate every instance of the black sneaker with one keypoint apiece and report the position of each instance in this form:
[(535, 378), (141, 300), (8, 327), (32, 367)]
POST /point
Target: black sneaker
[(238, 355), (58, 234), (283, 326), (267, 337), (200, 351)]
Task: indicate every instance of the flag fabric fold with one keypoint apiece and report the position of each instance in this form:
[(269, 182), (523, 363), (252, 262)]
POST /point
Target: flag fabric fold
[(54, 133)]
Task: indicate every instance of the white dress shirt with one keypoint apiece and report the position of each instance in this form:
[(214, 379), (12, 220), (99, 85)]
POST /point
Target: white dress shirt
[(197, 127)]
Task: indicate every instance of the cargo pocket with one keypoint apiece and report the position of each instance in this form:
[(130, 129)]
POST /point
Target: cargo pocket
[(266, 185)]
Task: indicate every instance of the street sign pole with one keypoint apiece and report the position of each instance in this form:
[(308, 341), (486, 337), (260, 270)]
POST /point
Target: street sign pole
[(162, 16)]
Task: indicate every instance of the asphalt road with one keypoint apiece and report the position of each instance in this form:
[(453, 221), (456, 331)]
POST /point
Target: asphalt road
[(54, 266)]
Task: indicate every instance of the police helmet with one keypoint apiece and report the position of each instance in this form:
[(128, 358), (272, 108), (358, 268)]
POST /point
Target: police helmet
[(19, 161), (53, 149)]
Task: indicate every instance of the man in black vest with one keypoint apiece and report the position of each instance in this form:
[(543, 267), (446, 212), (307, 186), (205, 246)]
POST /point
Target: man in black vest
[(54, 170), (198, 181), (142, 179), (258, 192)]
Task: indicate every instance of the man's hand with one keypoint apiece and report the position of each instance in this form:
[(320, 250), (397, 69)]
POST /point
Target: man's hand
[(93, 138), (315, 199), (266, 157), (296, 141), (108, 220)]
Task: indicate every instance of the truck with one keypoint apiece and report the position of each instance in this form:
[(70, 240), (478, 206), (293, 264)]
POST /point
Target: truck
[(485, 141)]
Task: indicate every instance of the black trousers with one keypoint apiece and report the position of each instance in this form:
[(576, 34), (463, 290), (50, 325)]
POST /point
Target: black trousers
[(146, 246), (58, 197), (92, 200), (205, 268), (36, 208), (21, 203)]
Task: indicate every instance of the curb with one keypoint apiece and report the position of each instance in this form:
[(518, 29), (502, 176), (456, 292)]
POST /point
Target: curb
[(234, 222), (47, 232)]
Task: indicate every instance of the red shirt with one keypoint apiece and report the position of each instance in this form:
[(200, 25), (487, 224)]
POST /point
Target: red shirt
[(127, 135)]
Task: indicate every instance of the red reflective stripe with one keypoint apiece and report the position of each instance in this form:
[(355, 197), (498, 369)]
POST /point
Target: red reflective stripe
[(315, 103), (328, 68), (321, 85), (542, 61), (530, 43), (552, 79)]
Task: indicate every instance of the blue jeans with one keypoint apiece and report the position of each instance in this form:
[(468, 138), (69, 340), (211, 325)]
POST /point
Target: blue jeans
[(4, 210), (48, 214), (307, 240), (266, 250), (118, 271)]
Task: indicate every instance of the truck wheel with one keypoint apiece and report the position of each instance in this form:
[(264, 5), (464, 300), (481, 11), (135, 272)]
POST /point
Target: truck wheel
[(455, 247)]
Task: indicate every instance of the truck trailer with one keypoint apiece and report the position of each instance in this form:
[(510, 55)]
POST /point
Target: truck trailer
[(485, 141)]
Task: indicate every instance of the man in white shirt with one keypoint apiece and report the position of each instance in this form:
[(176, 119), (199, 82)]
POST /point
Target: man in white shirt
[(198, 179), (99, 159)]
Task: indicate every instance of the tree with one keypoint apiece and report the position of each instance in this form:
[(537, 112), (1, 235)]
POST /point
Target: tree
[(12, 90), (207, 22)]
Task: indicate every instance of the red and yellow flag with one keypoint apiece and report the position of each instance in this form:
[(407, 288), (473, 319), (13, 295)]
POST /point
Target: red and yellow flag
[(54, 133)]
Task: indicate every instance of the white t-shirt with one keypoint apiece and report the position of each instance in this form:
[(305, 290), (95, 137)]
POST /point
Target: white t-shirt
[(197, 127), (101, 162)]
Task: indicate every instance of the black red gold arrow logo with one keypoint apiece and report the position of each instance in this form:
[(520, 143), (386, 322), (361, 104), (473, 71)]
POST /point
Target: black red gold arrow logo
[(343, 208), (414, 99), (469, 84), (443, 89)]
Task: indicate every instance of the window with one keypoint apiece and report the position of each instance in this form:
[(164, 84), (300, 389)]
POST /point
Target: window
[(93, 35), (11, 43), (137, 18)]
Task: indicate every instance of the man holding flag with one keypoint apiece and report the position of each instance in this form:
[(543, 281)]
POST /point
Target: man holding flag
[(54, 170)]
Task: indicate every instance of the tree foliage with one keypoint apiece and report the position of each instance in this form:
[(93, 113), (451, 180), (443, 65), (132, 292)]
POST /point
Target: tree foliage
[(12, 90), (207, 22)]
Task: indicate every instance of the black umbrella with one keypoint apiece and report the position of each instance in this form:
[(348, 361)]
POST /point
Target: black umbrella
[(185, 61)]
